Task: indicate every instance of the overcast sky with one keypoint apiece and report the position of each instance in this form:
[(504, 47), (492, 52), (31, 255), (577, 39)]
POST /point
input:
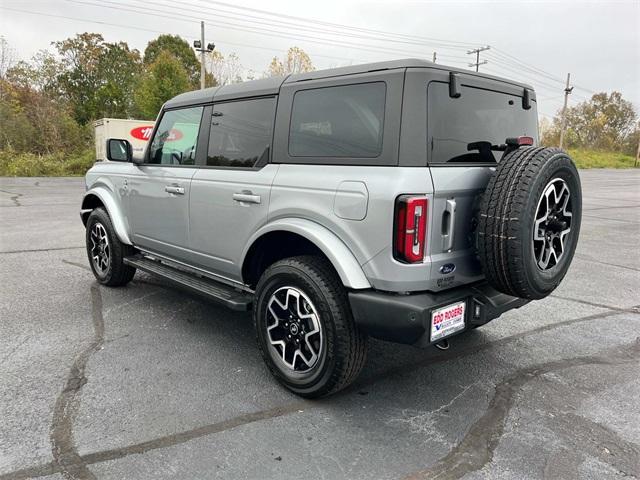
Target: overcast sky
[(597, 41)]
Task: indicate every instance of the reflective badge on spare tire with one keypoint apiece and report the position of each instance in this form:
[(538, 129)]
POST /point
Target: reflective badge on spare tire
[(529, 221)]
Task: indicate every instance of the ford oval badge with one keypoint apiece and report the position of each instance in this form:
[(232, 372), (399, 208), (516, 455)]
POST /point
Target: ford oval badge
[(447, 268)]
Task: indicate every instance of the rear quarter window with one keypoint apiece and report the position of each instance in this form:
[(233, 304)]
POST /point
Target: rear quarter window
[(478, 115), (340, 121)]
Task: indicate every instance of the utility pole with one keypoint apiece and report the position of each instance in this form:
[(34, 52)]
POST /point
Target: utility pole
[(637, 162), (203, 71), (477, 52), (434, 57), (199, 46), (563, 122)]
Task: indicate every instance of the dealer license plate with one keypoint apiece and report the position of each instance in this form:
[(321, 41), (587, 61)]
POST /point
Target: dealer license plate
[(447, 320)]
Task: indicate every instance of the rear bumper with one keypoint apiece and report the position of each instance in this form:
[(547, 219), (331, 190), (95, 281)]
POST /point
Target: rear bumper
[(407, 318)]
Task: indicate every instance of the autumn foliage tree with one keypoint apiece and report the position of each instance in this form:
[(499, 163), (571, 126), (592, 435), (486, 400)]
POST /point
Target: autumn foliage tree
[(224, 70), (604, 122), (296, 61)]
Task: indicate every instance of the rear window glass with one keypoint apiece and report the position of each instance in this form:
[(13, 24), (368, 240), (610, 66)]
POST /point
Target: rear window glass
[(478, 115), (342, 121)]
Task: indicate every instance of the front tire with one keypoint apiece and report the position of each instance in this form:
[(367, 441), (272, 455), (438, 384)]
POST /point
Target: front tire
[(305, 329), (106, 252)]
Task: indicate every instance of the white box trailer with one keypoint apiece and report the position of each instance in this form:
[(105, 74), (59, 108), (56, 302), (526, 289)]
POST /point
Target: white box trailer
[(138, 132)]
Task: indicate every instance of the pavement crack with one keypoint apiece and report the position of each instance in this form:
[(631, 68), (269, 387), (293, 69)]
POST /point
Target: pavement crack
[(63, 448), (41, 250), (82, 461), (14, 197), (407, 368), (601, 442), (610, 219), (476, 449), (587, 258), (591, 304), (76, 264), (182, 437)]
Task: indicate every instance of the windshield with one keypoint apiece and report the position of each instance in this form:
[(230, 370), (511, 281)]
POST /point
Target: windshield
[(478, 115)]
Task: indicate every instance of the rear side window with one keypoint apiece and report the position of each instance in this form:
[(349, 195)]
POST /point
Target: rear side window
[(478, 115), (241, 132), (176, 137), (341, 121)]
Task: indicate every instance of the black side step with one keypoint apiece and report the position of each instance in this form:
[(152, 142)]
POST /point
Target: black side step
[(216, 291)]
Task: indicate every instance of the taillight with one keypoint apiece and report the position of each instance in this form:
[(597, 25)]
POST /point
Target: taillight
[(519, 141), (410, 229)]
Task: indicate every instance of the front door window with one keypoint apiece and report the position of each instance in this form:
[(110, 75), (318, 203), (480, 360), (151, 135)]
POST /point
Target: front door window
[(176, 138)]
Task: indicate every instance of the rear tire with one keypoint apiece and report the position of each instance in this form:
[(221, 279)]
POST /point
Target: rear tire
[(529, 222), (106, 252), (305, 329)]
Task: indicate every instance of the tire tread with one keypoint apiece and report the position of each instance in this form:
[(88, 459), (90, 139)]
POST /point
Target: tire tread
[(351, 348)]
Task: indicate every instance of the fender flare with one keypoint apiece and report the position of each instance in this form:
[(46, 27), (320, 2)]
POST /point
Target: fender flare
[(342, 259), (106, 196)]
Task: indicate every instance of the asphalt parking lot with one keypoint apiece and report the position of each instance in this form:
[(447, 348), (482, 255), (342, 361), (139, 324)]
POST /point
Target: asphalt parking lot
[(144, 382)]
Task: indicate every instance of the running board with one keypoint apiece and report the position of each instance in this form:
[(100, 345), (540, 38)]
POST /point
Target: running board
[(215, 291)]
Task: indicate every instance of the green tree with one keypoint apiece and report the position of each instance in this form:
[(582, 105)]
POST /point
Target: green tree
[(97, 78), (119, 69), (180, 49), (81, 78), (165, 78)]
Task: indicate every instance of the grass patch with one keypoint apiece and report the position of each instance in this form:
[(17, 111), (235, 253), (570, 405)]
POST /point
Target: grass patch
[(13, 164), (597, 159)]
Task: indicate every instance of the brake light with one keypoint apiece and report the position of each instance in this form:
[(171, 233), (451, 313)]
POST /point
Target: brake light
[(519, 141), (410, 229)]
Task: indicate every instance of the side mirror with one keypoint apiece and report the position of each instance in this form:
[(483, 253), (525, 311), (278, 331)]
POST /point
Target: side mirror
[(119, 150)]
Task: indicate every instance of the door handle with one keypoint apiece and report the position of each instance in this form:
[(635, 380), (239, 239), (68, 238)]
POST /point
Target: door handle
[(448, 225), (246, 197), (174, 189)]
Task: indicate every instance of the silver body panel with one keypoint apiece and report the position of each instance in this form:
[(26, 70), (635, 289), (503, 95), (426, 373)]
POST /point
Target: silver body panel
[(221, 224)]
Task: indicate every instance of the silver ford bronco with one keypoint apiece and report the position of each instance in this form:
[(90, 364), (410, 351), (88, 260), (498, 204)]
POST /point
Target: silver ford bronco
[(403, 200)]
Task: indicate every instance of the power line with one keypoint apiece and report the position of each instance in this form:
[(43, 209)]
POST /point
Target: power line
[(262, 31), (536, 69), (256, 30), (506, 61), (341, 26), (296, 26), (134, 27), (534, 81)]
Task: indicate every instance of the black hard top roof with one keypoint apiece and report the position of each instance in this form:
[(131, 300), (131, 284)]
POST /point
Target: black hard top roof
[(271, 85)]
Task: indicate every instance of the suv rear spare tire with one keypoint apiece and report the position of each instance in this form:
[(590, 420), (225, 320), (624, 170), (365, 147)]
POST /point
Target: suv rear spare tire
[(529, 221)]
